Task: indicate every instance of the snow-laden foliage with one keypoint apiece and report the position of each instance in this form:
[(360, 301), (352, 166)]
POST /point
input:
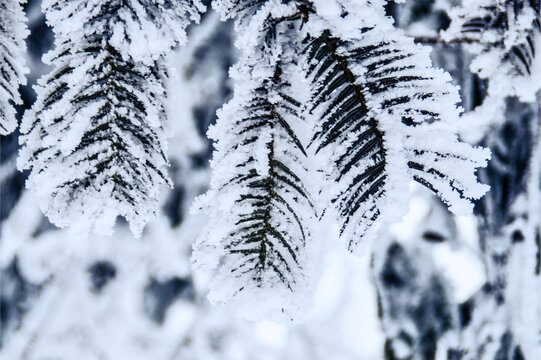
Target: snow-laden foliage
[(121, 298), (94, 138), (141, 29), (13, 31), (302, 62), (95, 146), (383, 110), (259, 207), (504, 36), (322, 90)]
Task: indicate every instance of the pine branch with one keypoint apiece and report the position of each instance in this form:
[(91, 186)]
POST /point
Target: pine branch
[(260, 209), (265, 193), (94, 138), (13, 31), (380, 108), (377, 115), (145, 29)]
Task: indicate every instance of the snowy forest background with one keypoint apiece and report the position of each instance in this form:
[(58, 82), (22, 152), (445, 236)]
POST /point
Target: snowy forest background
[(434, 286)]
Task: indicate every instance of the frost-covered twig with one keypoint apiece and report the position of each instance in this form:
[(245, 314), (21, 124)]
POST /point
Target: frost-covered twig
[(94, 139), (13, 31), (333, 90)]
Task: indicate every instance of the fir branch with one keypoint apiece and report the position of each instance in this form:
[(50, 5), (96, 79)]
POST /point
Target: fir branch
[(374, 98), (13, 31), (94, 139)]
